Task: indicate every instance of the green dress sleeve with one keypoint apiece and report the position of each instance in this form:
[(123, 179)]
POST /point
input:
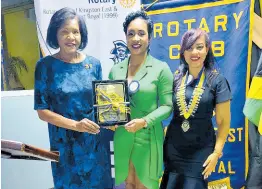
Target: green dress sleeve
[(165, 91)]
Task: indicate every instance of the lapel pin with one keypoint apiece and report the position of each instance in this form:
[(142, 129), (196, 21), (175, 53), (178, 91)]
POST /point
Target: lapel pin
[(133, 86), (88, 66)]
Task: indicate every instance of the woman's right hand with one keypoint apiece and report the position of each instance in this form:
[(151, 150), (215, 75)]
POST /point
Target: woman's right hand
[(86, 125)]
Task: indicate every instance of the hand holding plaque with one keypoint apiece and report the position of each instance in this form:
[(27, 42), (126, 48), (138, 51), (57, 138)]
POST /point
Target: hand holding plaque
[(111, 102)]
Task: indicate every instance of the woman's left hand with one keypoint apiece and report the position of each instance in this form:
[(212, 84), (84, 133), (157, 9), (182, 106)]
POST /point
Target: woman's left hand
[(135, 125), (210, 164)]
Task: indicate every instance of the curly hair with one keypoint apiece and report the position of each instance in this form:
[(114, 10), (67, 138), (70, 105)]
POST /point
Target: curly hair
[(139, 14), (58, 20)]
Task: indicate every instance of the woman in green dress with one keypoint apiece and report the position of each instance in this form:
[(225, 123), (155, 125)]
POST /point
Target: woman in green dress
[(138, 144)]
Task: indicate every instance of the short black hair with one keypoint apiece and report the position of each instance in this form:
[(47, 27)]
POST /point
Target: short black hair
[(58, 20), (139, 14)]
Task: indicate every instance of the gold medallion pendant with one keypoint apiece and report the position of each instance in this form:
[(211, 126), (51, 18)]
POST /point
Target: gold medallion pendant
[(185, 125), (187, 110)]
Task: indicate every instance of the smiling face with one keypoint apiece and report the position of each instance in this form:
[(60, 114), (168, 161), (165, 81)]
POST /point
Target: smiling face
[(137, 37), (69, 36), (196, 54)]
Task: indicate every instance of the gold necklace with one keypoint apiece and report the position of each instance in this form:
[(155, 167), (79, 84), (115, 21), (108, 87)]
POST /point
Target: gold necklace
[(190, 109)]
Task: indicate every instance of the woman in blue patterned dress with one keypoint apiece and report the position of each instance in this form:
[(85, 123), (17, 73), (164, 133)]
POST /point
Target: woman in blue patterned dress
[(63, 98)]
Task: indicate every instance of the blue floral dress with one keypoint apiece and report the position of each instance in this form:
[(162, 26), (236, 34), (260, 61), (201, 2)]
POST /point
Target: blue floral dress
[(66, 89)]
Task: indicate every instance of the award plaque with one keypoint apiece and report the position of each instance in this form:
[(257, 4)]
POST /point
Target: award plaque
[(111, 102)]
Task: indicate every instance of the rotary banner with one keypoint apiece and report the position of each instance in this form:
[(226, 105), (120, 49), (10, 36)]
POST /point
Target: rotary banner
[(229, 26)]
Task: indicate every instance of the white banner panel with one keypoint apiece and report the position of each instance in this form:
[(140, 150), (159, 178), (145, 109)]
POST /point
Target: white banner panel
[(104, 19)]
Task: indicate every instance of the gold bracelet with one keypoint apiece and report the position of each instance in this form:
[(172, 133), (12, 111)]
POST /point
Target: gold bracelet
[(220, 154)]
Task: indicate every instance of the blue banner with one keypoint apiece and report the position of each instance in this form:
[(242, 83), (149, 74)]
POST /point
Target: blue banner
[(228, 24)]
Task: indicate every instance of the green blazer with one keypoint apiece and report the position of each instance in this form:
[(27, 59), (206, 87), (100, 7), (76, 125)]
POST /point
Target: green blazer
[(152, 102)]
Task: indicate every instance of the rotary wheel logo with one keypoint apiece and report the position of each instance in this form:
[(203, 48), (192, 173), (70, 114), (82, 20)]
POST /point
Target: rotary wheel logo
[(127, 3)]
